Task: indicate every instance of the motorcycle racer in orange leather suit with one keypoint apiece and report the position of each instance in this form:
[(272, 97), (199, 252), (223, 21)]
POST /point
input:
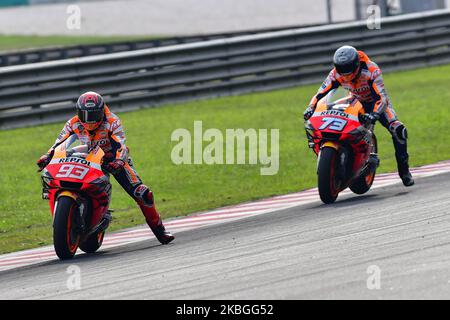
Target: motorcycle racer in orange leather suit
[(362, 77), (95, 125)]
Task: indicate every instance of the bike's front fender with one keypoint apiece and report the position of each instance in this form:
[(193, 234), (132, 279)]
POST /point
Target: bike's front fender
[(328, 144), (70, 194), (331, 144), (66, 193)]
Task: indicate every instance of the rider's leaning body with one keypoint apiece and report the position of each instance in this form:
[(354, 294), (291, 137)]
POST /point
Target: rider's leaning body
[(362, 77), (368, 87), (109, 136), (95, 125)]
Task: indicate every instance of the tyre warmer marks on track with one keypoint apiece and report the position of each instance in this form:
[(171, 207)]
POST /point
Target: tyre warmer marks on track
[(221, 215)]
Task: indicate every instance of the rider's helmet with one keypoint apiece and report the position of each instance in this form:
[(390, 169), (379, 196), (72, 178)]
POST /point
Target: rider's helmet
[(90, 110), (346, 61)]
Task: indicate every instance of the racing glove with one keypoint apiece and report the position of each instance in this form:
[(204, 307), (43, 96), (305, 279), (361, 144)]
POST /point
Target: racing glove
[(371, 117), (308, 113), (115, 166), (44, 160)]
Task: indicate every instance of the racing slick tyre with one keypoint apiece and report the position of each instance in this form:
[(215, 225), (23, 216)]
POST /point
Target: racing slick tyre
[(93, 242), (364, 182), (326, 170), (65, 230)]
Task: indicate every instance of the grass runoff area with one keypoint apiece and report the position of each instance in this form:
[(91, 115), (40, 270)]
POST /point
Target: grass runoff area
[(420, 97), (17, 42)]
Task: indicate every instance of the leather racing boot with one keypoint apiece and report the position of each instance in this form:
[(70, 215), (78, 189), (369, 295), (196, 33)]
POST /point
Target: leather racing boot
[(403, 171), (153, 218)]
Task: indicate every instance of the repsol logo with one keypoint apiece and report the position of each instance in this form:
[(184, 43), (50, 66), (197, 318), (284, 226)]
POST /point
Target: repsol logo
[(75, 160), (334, 113)]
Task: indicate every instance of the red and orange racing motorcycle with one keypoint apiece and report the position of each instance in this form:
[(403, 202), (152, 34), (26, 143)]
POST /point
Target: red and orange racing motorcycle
[(79, 194), (346, 147)]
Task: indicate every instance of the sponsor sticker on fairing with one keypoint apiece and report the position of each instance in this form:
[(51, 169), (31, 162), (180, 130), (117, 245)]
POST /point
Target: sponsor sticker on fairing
[(75, 160)]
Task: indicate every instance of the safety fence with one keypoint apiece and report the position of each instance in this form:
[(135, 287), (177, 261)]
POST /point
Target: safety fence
[(46, 92), (52, 53)]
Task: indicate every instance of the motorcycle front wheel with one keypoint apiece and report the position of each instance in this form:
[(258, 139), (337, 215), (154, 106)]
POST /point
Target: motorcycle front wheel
[(65, 231), (326, 173)]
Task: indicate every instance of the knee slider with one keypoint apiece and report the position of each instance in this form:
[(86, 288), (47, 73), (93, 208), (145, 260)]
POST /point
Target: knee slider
[(398, 131), (143, 193)]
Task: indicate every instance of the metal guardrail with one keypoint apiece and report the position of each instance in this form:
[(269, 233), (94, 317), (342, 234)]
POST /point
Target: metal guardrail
[(18, 57), (46, 92)]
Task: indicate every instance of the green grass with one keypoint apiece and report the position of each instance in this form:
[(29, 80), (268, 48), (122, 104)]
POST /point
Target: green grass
[(420, 98), (15, 42)]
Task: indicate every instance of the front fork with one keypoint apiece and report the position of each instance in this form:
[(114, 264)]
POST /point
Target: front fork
[(343, 171), (329, 144), (80, 218)]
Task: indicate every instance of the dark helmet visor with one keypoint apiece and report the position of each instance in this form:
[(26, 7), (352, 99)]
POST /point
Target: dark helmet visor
[(91, 116), (346, 69)]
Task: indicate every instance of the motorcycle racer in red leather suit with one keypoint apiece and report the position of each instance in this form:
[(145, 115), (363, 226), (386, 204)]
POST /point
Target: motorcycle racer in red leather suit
[(95, 125), (362, 77)]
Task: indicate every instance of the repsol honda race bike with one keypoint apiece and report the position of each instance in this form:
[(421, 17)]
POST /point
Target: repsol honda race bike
[(79, 194), (346, 147)]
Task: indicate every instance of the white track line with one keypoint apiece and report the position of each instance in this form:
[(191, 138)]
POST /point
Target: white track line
[(213, 217)]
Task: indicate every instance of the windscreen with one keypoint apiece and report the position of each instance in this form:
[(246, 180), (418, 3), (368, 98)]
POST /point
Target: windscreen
[(75, 148), (337, 96)]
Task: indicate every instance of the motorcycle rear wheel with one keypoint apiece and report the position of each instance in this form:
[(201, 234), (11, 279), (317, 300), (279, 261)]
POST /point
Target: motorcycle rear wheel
[(93, 242), (364, 182), (326, 170), (65, 237)]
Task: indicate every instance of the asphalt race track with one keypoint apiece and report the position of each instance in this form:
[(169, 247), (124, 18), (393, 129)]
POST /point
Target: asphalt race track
[(313, 251)]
